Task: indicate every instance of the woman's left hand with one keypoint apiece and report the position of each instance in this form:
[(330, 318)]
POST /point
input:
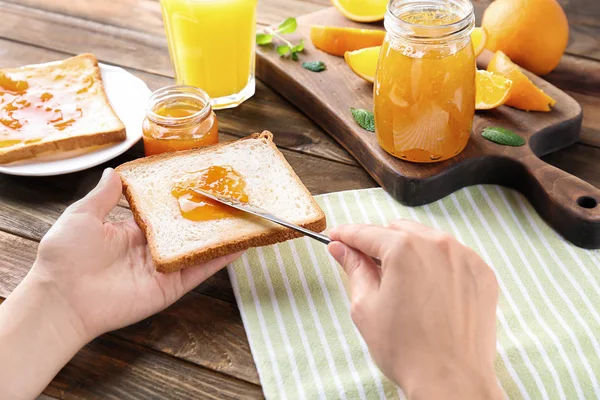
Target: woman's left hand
[(90, 277)]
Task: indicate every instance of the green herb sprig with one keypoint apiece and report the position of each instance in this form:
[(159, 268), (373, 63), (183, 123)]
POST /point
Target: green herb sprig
[(287, 48)]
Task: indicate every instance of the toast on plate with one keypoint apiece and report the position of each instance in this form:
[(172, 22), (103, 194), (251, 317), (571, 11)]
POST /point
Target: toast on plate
[(55, 107), (176, 241)]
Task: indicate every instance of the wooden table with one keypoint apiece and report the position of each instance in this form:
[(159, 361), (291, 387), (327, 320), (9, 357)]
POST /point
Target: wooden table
[(198, 348)]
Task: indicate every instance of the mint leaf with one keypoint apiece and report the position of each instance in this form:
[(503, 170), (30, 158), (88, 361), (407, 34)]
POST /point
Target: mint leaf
[(502, 136), (364, 118), (287, 26), (283, 50), (287, 48), (263, 38), (314, 66), (299, 47)]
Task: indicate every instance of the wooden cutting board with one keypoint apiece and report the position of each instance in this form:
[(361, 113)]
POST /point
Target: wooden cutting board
[(567, 203)]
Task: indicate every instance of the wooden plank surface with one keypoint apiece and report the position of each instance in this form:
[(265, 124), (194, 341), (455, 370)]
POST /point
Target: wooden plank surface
[(583, 15), (148, 360), (143, 46), (110, 368)]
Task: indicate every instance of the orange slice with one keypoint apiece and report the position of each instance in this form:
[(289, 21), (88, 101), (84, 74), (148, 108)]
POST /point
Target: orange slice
[(337, 40), (525, 95), (363, 62), (362, 10), (479, 38), (491, 90)]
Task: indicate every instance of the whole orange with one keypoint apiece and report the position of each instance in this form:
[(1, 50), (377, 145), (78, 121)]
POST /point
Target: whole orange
[(533, 33)]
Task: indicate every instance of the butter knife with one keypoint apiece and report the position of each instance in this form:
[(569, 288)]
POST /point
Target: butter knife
[(259, 212)]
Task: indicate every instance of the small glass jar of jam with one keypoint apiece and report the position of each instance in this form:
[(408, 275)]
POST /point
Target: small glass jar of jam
[(179, 118), (424, 92)]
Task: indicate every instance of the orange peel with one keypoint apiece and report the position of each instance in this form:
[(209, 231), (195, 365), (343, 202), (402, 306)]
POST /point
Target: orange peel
[(362, 10), (524, 95), (337, 40)]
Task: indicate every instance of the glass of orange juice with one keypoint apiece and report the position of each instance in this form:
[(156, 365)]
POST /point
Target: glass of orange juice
[(424, 90), (211, 43)]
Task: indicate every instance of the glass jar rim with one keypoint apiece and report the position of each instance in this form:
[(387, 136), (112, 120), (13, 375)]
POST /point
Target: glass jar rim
[(424, 32), (173, 93)]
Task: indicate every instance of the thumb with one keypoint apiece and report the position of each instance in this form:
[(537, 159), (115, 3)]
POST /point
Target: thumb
[(103, 198), (364, 275)]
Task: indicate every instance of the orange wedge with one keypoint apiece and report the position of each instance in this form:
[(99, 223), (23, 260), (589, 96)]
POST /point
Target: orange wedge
[(479, 38), (363, 62), (491, 90), (362, 10), (337, 40), (524, 95)]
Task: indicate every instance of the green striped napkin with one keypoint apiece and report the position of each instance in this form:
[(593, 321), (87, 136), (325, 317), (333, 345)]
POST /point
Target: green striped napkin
[(295, 307)]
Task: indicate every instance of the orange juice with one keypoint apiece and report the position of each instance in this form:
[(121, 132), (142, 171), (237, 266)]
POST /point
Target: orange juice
[(424, 91), (211, 43)]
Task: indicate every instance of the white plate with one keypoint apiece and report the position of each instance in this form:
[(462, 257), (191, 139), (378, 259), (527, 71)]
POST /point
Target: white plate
[(128, 95)]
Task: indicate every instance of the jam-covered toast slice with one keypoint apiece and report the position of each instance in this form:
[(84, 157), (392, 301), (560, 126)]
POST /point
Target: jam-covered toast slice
[(55, 107), (184, 229)]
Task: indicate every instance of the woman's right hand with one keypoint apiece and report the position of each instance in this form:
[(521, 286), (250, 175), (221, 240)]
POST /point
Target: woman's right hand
[(428, 315)]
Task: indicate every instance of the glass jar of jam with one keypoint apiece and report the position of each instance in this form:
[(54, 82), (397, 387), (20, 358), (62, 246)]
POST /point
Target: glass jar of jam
[(179, 118), (424, 92)]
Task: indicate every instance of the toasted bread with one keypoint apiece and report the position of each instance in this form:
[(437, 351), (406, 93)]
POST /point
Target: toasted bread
[(55, 107), (176, 242)]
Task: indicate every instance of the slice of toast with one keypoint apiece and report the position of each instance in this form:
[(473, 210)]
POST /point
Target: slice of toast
[(55, 107), (176, 242)]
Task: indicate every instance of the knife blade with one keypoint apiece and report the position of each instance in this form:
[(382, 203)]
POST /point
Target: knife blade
[(259, 212)]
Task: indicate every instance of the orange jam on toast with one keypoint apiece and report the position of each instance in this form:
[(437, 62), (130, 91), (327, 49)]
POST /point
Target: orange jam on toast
[(424, 92), (31, 110), (220, 180), (179, 118)]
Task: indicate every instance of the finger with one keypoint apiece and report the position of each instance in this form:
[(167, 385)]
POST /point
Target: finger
[(432, 235), (193, 276), (364, 275), (369, 239), (103, 198), (409, 226)]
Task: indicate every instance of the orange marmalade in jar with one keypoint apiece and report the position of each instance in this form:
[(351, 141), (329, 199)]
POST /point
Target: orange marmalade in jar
[(424, 91), (179, 118)]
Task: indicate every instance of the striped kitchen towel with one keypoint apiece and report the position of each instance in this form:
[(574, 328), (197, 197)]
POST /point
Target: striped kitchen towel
[(295, 307)]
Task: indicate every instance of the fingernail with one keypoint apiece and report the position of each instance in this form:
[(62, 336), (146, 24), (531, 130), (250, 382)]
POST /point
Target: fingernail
[(338, 251), (333, 233), (105, 174)]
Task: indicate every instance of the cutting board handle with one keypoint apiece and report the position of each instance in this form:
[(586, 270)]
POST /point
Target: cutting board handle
[(564, 201)]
